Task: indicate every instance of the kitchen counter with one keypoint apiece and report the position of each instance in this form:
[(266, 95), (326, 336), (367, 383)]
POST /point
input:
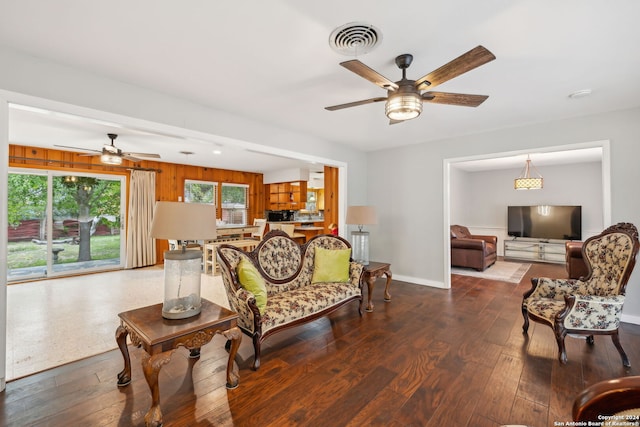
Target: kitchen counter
[(307, 228), (309, 231)]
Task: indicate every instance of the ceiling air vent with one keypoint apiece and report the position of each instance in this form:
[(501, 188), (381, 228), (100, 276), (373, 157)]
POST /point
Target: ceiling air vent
[(355, 38)]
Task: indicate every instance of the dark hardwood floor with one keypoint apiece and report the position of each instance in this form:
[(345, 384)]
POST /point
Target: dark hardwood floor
[(430, 357)]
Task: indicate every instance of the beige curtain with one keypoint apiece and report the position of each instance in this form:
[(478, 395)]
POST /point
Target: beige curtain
[(141, 249)]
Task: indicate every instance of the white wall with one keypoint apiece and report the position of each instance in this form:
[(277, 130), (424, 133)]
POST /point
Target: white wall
[(4, 224), (409, 195), (460, 183), (481, 198)]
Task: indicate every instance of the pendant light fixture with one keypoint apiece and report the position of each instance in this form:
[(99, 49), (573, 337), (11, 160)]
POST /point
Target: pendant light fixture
[(525, 181)]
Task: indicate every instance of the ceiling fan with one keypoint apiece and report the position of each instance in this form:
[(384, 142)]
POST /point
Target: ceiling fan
[(405, 97), (112, 155)]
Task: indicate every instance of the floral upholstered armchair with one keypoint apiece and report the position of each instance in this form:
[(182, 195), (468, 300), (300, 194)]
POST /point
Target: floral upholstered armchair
[(593, 305)]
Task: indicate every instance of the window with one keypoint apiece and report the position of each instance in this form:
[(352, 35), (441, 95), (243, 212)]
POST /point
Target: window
[(235, 203), (200, 191), (234, 199), (312, 201)]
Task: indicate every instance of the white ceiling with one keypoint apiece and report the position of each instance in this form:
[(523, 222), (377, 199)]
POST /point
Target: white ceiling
[(270, 61)]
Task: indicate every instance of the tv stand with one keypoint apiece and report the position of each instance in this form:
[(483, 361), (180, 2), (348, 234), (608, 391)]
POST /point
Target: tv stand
[(538, 250)]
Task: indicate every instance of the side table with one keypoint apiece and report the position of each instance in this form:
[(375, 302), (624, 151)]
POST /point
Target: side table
[(161, 337), (371, 272)]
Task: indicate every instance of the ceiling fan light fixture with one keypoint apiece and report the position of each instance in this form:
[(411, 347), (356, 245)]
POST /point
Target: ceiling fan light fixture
[(110, 159), (403, 106)]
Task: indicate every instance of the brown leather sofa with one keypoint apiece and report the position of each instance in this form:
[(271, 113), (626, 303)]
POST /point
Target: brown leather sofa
[(576, 267), (472, 251)]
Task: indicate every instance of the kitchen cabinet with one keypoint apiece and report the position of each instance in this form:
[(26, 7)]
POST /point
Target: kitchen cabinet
[(286, 195)]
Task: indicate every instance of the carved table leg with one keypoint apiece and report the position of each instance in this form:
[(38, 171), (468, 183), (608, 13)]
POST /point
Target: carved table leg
[(370, 283), (235, 336), (387, 295), (151, 366), (124, 377)]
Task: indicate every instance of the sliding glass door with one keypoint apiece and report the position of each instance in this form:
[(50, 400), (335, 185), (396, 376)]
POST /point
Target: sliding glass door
[(63, 224), (27, 233)]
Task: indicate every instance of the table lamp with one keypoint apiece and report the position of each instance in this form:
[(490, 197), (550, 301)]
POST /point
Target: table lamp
[(182, 267), (361, 215)]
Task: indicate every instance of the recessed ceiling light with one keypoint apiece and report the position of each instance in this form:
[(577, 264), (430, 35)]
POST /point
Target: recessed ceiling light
[(217, 152), (580, 93)]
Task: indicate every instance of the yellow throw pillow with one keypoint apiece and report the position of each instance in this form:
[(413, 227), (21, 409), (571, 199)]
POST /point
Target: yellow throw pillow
[(251, 280), (331, 265)]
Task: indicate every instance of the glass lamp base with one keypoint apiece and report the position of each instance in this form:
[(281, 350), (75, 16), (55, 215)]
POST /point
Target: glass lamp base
[(360, 246), (182, 273), (181, 308)]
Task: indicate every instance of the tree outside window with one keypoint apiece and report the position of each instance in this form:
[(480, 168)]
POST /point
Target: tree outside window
[(200, 191), (235, 203)]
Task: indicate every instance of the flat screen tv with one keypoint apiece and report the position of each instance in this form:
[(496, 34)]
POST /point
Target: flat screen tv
[(545, 222)]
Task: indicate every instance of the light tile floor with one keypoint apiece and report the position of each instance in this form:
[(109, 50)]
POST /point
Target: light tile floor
[(56, 321)]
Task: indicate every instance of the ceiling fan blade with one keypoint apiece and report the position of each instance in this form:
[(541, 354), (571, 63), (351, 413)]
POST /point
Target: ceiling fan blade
[(370, 74), (461, 99), (129, 157), (78, 148), (395, 122), (151, 155), (354, 104), (476, 57)]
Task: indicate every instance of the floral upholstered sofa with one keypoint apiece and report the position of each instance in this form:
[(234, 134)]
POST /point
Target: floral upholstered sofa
[(281, 284)]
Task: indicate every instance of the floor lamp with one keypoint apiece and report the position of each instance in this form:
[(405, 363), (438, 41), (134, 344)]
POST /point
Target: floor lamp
[(360, 216), (182, 267)]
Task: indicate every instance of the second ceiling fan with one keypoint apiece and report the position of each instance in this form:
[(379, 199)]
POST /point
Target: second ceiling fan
[(405, 97), (112, 155)]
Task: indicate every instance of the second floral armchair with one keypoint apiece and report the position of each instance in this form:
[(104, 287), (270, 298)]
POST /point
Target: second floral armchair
[(592, 306)]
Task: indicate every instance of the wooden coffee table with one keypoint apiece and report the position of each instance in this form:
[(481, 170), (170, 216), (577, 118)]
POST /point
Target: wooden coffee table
[(371, 272), (161, 337)]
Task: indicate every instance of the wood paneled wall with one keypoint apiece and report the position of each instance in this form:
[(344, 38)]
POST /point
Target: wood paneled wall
[(169, 179), (330, 196)]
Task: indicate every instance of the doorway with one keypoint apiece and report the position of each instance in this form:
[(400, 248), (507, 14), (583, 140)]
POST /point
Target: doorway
[(572, 150)]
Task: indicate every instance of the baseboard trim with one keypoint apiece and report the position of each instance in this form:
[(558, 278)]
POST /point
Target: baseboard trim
[(630, 319), (419, 281)]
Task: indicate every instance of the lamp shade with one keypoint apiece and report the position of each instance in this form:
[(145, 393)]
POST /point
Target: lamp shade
[(527, 183), (184, 221), (361, 215)]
